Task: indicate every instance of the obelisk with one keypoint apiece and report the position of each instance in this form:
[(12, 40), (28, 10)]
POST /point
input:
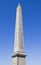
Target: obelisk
[(19, 57)]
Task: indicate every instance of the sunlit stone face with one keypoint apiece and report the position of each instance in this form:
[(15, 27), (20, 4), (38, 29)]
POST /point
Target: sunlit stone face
[(19, 40), (14, 61)]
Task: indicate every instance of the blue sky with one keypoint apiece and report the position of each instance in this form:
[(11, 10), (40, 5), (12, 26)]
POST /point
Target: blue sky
[(32, 30)]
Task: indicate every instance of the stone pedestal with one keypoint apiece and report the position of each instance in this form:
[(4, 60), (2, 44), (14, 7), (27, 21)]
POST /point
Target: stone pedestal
[(19, 59)]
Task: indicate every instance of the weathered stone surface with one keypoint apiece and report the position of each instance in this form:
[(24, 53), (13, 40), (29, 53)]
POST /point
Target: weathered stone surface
[(19, 39)]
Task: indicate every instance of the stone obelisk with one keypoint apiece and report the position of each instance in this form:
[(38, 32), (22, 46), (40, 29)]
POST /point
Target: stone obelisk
[(19, 57)]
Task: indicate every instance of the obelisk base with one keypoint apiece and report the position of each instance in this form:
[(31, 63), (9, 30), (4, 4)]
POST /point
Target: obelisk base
[(19, 59)]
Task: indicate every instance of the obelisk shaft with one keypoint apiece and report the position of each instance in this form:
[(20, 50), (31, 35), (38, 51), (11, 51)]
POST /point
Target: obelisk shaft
[(19, 39)]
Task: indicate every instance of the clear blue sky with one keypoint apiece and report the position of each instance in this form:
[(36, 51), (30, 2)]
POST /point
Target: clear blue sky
[(32, 30)]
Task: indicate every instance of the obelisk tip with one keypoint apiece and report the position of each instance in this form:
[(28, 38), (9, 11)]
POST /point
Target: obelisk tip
[(19, 5)]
